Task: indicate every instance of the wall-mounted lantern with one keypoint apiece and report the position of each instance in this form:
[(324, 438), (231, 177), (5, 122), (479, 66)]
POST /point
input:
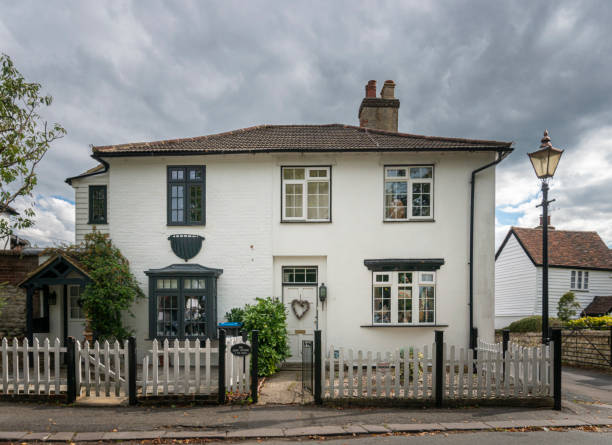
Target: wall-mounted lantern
[(322, 292)]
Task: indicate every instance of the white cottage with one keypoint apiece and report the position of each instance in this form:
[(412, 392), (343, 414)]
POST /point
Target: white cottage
[(578, 261), (387, 222)]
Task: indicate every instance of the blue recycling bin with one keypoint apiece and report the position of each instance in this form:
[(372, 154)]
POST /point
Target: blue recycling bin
[(232, 328)]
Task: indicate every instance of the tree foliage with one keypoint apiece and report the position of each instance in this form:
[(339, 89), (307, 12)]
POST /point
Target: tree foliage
[(25, 137), (113, 289), (567, 307)]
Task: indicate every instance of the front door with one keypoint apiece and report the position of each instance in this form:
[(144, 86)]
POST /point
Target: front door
[(76, 316), (301, 304)]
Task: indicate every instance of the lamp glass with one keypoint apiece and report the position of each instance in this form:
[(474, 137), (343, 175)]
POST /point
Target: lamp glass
[(545, 161)]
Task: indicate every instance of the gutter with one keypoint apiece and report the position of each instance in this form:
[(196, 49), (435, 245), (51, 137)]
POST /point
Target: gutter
[(502, 154), (85, 175)]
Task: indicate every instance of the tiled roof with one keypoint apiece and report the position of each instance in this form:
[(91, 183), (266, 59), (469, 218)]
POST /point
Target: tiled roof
[(599, 306), (565, 248), (300, 138)]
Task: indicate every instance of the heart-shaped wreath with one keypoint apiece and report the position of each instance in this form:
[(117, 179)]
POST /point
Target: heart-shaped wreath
[(300, 307)]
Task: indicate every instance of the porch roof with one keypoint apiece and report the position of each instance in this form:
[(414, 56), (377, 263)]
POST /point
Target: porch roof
[(184, 270), (55, 271)]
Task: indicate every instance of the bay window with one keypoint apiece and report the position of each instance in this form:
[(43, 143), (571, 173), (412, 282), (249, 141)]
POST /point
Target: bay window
[(408, 193), (306, 194), (403, 298)]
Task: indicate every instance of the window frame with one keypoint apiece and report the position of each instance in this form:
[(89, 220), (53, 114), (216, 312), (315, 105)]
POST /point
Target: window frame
[(182, 293), (579, 280), (186, 183), (416, 284), (305, 282), (91, 190), (409, 181), (305, 181)]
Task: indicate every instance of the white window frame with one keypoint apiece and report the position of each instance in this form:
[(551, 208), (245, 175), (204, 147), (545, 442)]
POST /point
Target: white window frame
[(419, 279), (304, 182), (409, 182), (579, 280)]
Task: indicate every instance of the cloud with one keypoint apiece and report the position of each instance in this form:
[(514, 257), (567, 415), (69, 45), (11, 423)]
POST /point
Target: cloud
[(128, 71), (53, 223)]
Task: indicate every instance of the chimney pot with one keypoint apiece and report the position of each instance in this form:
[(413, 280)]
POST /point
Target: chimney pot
[(370, 89), (388, 90), (542, 223)]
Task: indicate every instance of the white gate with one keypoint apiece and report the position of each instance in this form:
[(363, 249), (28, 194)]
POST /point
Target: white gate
[(102, 369), (237, 369)]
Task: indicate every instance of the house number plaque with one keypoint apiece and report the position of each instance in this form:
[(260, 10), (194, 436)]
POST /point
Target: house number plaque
[(240, 349)]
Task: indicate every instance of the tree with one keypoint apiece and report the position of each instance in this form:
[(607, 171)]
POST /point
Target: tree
[(25, 137), (567, 308)]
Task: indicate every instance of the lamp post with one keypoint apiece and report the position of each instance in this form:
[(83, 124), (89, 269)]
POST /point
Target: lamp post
[(545, 162)]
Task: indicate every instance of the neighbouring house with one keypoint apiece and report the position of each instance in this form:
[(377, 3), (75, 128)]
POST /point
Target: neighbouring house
[(599, 307), (376, 220), (578, 261)]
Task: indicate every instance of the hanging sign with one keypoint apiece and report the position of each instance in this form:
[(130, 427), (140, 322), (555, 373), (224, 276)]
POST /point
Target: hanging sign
[(240, 349)]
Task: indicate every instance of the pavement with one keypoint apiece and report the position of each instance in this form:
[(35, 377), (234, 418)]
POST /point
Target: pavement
[(587, 386)]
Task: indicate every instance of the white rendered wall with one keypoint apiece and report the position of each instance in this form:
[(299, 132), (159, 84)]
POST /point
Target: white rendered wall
[(244, 236)]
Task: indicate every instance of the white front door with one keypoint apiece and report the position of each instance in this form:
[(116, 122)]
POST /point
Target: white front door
[(301, 304), (76, 317)]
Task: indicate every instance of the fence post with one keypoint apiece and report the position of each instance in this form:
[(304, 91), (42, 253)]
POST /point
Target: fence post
[(610, 345), (254, 365), (132, 370), (439, 388), (221, 368), (317, 368), (475, 346), (71, 370), (505, 340), (556, 338)]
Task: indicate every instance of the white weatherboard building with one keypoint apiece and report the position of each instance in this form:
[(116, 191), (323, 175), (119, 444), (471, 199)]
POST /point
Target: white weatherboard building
[(381, 219), (579, 262)]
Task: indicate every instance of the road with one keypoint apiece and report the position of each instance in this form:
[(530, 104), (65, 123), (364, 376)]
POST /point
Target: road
[(584, 385)]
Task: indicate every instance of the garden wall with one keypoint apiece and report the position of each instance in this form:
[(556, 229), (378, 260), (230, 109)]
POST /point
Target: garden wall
[(13, 268), (585, 348)]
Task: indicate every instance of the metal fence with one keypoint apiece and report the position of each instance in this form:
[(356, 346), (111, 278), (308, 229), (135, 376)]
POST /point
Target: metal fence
[(307, 365)]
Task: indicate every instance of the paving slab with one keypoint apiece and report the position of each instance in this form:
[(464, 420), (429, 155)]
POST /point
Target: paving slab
[(194, 434), (504, 424), (325, 430), (414, 427), (36, 436), (376, 429), (354, 429), (256, 432), (88, 437), (464, 426), (133, 435), (569, 422), (12, 435), (61, 436), (600, 421)]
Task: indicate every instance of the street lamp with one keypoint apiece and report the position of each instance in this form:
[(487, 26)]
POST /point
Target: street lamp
[(545, 162)]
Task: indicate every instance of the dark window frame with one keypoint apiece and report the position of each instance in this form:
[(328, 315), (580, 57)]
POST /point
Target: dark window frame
[(104, 218), (186, 183), (209, 293)]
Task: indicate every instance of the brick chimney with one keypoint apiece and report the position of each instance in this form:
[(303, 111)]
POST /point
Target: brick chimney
[(379, 112), (542, 223)]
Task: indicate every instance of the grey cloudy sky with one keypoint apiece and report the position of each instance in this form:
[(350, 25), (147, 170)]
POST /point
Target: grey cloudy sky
[(125, 71)]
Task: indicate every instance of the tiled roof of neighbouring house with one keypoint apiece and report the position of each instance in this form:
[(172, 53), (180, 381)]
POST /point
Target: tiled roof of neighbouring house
[(300, 138), (599, 306), (565, 248)]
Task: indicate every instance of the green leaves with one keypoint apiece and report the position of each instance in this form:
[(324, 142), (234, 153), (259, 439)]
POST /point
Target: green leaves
[(567, 308), (24, 139)]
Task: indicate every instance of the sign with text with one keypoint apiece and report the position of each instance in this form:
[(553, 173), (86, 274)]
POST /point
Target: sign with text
[(240, 349)]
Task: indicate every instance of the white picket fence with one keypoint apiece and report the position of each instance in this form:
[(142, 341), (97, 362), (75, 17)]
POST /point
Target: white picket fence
[(411, 373), (102, 368), (41, 375), (178, 369), (237, 369)]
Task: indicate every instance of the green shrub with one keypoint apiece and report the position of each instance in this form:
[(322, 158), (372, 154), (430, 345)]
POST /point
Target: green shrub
[(531, 324), (591, 322), (567, 308), (235, 315), (268, 316)]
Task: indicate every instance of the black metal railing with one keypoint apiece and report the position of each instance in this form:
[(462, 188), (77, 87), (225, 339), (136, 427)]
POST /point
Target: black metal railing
[(307, 365)]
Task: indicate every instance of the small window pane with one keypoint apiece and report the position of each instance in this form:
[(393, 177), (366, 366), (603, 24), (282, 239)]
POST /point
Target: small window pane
[(427, 277), (421, 172), (293, 173), (586, 280), (195, 203), (396, 172), (167, 316), (579, 279), (573, 280), (382, 304), (404, 277), (195, 316), (396, 200), (317, 173), (421, 199), (382, 278), (293, 200), (195, 174), (177, 174), (426, 304), (404, 305)]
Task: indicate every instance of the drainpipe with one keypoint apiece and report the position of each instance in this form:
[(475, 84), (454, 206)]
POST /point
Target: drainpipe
[(500, 157)]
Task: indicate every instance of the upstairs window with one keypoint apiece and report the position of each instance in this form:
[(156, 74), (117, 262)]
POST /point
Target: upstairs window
[(579, 280), (306, 194), (403, 298), (408, 193), (186, 195), (97, 204)]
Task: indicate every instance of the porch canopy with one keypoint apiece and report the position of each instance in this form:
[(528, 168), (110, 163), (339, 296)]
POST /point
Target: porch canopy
[(59, 269)]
